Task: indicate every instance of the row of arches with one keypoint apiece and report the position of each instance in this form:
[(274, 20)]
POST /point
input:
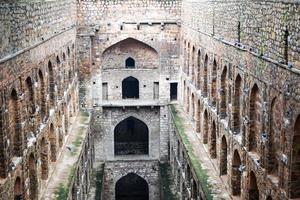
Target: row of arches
[(263, 136)]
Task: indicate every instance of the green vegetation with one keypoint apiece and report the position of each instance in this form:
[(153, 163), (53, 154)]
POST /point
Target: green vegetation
[(201, 173), (166, 182), (63, 190), (97, 176)]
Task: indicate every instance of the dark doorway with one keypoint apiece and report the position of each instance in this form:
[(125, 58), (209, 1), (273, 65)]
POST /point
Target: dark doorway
[(173, 91), (132, 187), (131, 137), (130, 88), (130, 63)]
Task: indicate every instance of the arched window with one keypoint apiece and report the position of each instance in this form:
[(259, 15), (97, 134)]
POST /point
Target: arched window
[(131, 136), (223, 157), (214, 84), (3, 152), (130, 63), (223, 92), (236, 104), (132, 186), (18, 189), (255, 106), (193, 106), (253, 189), (51, 84), (198, 113), (30, 96), (44, 159), (274, 143), (33, 181), (15, 125), (236, 174), (42, 95), (52, 139), (295, 171), (213, 141), (130, 88), (205, 76), (198, 69), (205, 128)]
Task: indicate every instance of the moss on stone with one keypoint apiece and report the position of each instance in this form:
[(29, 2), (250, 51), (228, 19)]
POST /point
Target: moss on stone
[(166, 182), (196, 163)]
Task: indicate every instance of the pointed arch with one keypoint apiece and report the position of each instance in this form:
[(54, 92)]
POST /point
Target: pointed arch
[(193, 64), (51, 84), (253, 188), (198, 69), (42, 95), (213, 141), (237, 104), (214, 83), (255, 116), (205, 76), (132, 186), (44, 159), (236, 175), (18, 189), (223, 156), (15, 124), (30, 95), (205, 127), (295, 171), (198, 116), (193, 106), (33, 180), (274, 134), (52, 139), (129, 63), (130, 88), (3, 151), (131, 136), (223, 92)]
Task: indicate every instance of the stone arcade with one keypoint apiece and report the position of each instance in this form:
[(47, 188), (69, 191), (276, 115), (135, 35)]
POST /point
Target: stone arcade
[(149, 99)]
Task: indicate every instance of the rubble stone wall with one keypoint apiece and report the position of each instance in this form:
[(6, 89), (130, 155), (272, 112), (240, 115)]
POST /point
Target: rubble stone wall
[(240, 86), (39, 93)]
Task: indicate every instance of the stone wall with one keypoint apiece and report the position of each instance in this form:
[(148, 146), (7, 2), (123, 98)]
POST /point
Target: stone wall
[(28, 23), (39, 89), (147, 170), (109, 118), (83, 172), (242, 94), (100, 28)]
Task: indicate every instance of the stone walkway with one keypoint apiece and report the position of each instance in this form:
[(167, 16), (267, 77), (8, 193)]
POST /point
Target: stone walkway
[(218, 186), (69, 156)]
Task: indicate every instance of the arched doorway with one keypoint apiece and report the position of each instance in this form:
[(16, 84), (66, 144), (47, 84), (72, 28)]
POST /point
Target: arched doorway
[(18, 193), (295, 171), (223, 157), (132, 187), (131, 137), (33, 182), (253, 189), (236, 174), (130, 88)]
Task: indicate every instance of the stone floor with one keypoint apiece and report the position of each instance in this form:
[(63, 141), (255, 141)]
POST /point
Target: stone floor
[(66, 162), (218, 184)]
